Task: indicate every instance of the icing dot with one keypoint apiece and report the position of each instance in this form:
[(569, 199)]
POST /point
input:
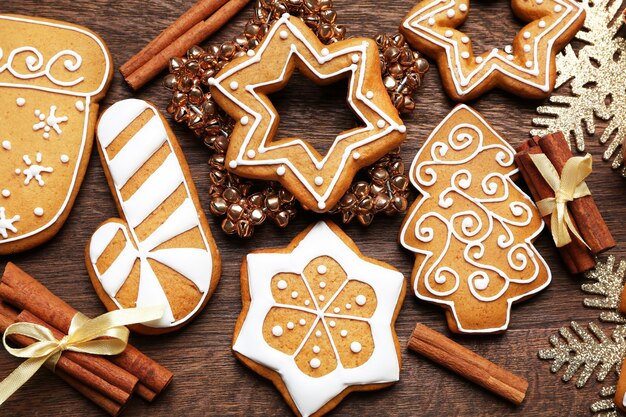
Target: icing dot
[(307, 302), (322, 284), (284, 34), (211, 81), (250, 52), (440, 279), (325, 51), (319, 180), (322, 298), (542, 24), (465, 54), (529, 64), (38, 211), (337, 310), (6, 145), (539, 1), (527, 35), (280, 170), (80, 106), (508, 49), (64, 158), (46, 135), (302, 322), (369, 94), (343, 333), (37, 112), (321, 269), (31, 60), (321, 205), (282, 284), (294, 295), (6, 193), (463, 7), (332, 323), (381, 123), (450, 13), (348, 306), (360, 299), (244, 120), (431, 21), (277, 331), (42, 118), (355, 58), (18, 171), (510, 57), (479, 59), (251, 153), (465, 39), (355, 347), (356, 155), (318, 333), (402, 129), (234, 85), (315, 363), (316, 349), (232, 164), (290, 325), (448, 33), (557, 8), (20, 101), (46, 129)]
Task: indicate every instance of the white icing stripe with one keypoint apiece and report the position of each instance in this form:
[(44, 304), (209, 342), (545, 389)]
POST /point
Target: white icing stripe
[(108, 131), (184, 218), (106, 234), (117, 274), (154, 191), (308, 393), (137, 151), (151, 294), (189, 262)]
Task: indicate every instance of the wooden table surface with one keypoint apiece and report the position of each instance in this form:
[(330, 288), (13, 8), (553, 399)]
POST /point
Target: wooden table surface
[(208, 380)]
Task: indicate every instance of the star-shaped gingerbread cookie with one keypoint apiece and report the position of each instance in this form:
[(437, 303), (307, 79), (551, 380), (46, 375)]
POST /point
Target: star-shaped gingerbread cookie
[(527, 67), (242, 88)]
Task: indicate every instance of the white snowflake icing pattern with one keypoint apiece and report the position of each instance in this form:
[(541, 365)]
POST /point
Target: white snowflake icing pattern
[(49, 123), (34, 171), (7, 224)]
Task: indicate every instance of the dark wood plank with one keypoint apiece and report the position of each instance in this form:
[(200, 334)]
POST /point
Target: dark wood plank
[(208, 380)]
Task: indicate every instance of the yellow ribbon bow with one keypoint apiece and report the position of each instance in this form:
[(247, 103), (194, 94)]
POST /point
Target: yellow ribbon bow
[(569, 186), (83, 336)]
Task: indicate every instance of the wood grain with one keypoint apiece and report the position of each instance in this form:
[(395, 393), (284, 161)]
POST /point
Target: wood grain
[(208, 380)]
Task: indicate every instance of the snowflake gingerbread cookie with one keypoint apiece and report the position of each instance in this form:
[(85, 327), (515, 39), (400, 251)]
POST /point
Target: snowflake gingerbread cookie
[(318, 319), (161, 252), (52, 75), (526, 67), (242, 88), (472, 228)]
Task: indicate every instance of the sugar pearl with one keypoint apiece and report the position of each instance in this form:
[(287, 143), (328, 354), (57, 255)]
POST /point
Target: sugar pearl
[(277, 331), (282, 284), (315, 363), (355, 347)]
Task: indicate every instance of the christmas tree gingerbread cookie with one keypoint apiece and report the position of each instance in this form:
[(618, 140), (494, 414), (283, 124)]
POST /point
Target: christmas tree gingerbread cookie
[(52, 75), (161, 252), (318, 319), (472, 228), (526, 67)]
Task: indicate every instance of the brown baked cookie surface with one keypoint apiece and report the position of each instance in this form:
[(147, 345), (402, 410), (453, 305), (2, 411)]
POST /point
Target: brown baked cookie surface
[(318, 319)]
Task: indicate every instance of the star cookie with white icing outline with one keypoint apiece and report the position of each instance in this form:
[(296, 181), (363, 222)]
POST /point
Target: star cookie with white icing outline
[(526, 68), (242, 88), (318, 319)]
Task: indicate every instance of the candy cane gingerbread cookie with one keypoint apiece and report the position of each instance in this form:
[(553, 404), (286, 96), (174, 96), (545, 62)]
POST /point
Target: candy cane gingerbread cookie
[(52, 75), (162, 251), (526, 67), (242, 88), (318, 319)]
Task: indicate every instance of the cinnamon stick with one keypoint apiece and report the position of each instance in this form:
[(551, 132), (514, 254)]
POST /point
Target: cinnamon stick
[(193, 36), (467, 364), (584, 210), (575, 255), (198, 12), (110, 407), (22, 291)]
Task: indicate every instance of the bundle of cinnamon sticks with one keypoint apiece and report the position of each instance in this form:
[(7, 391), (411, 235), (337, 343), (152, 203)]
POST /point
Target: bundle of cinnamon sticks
[(108, 381), (583, 211)]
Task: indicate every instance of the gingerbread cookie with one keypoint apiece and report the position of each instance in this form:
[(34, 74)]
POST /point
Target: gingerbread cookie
[(472, 228), (526, 67), (318, 319), (242, 88), (52, 75), (162, 251)]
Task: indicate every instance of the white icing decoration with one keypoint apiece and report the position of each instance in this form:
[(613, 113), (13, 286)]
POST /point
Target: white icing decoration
[(234, 85), (463, 7), (307, 302), (282, 284), (20, 101), (526, 48), (419, 23), (332, 323), (290, 325), (7, 223), (50, 122), (6, 145), (316, 349), (557, 8), (479, 59), (277, 331), (38, 211), (284, 34), (34, 171), (450, 13), (244, 120), (321, 269), (195, 264), (465, 55), (281, 170), (302, 322), (64, 159), (369, 95), (321, 298), (472, 231), (526, 35), (232, 164), (355, 347), (322, 284), (465, 39), (80, 105), (319, 180), (348, 306), (6, 193), (337, 310), (355, 58), (344, 333), (318, 333), (249, 53), (294, 294), (309, 394), (360, 300), (448, 33), (356, 155)]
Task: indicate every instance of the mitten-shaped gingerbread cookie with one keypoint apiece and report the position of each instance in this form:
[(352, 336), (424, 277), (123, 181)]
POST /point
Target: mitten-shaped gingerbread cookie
[(472, 228), (162, 251), (52, 75)]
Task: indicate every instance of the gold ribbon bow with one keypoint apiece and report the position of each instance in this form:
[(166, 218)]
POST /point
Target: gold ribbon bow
[(83, 336), (569, 186)]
